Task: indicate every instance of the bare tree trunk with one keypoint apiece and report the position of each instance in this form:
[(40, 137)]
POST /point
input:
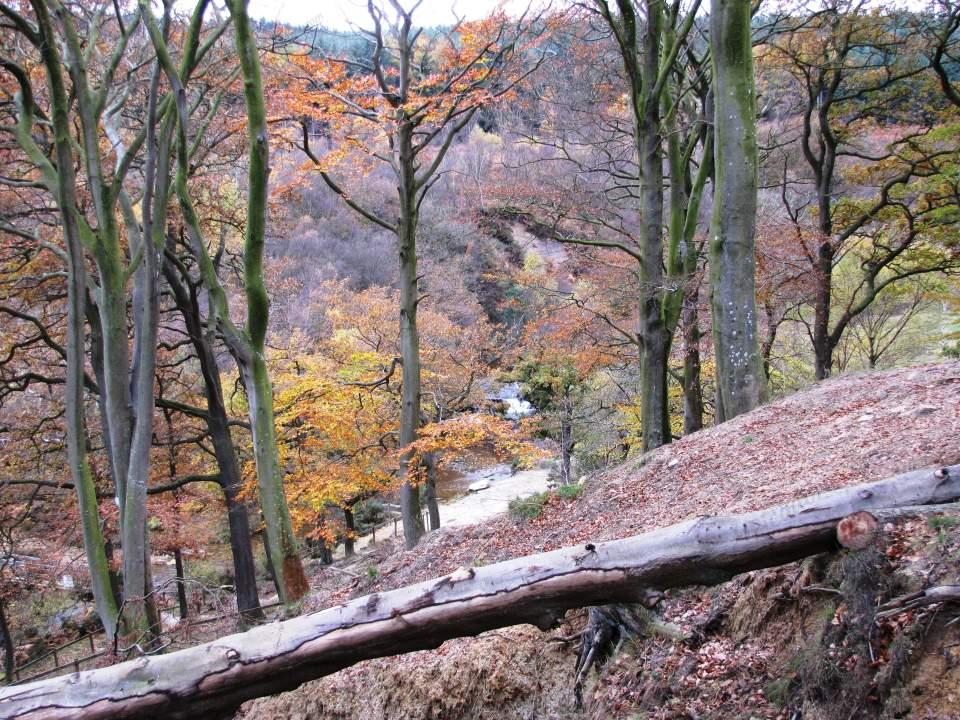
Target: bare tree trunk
[(654, 336), (218, 426), (766, 347), (241, 547), (283, 546), (566, 438), (6, 641), (62, 183), (823, 277), (181, 586), (283, 543), (646, 71), (692, 388), (430, 491), (349, 549), (409, 338), (243, 347), (741, 385), (213, 679), (137, 583)]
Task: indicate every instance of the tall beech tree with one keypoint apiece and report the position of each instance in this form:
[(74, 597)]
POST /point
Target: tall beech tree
[(185, 292), (60, 181), (247, 345), (119, 214), (575, 177), (94, 103), (650, 41), (741, 384), (403, 104)]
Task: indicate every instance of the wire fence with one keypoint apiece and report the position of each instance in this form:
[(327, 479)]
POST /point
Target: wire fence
[(78, 654)]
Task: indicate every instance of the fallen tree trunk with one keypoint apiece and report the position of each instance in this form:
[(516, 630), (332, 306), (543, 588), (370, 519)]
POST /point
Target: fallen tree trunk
[(211, 680)]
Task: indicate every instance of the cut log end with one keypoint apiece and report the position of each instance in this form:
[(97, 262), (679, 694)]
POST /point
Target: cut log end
[(857, 531)]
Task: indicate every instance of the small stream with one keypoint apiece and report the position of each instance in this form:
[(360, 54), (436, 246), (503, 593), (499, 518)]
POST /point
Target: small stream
[(453, 483), (504, 486)]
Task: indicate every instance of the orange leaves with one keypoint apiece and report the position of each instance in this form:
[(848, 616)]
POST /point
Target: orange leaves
[(337, 401), (349, 108), (473, 432)]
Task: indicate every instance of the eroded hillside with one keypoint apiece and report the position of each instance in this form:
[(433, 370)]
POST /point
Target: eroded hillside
[(800, 639)]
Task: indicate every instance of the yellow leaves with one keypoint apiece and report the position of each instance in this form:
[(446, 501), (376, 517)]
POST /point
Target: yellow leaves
[(331, 433), (630, 425), (472, 432)]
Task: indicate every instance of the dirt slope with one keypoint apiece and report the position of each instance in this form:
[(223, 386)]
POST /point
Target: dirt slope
[(851, 429)]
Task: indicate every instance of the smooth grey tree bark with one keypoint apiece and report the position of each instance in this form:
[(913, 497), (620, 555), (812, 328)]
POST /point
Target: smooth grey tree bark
[(741, 383), (649, 45), (60, 181), (247, 345)]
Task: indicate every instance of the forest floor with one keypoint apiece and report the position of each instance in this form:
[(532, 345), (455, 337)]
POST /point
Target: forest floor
[(848, 430)]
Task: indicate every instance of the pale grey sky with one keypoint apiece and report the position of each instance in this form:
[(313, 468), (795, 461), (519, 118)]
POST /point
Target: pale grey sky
[(340, 13)]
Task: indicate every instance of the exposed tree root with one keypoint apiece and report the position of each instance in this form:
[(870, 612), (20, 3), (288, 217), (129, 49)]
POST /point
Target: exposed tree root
[(608, 627), (922, 598)]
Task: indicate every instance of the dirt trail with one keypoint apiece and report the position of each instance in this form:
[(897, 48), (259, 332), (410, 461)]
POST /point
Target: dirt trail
[(483, 505), (476, 507)]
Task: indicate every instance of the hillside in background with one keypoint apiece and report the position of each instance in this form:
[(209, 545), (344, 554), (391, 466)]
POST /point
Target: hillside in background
[(764, 645), (291, 317)]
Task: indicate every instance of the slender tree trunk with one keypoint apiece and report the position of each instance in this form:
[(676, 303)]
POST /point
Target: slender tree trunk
[(231, 481), (181, 585), (648, 61), (566, 438), (430, 491), (822, 346), (692, 388), (6, 641), (96, 362), (349, 550), (203, 339), (76, 305), (654, 336), (409, 338), (766, 347), (740, 381), (138, 583), (218, 427), (116, 582), (241, 547), (283, 548), (283, 543), (111, 307)]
